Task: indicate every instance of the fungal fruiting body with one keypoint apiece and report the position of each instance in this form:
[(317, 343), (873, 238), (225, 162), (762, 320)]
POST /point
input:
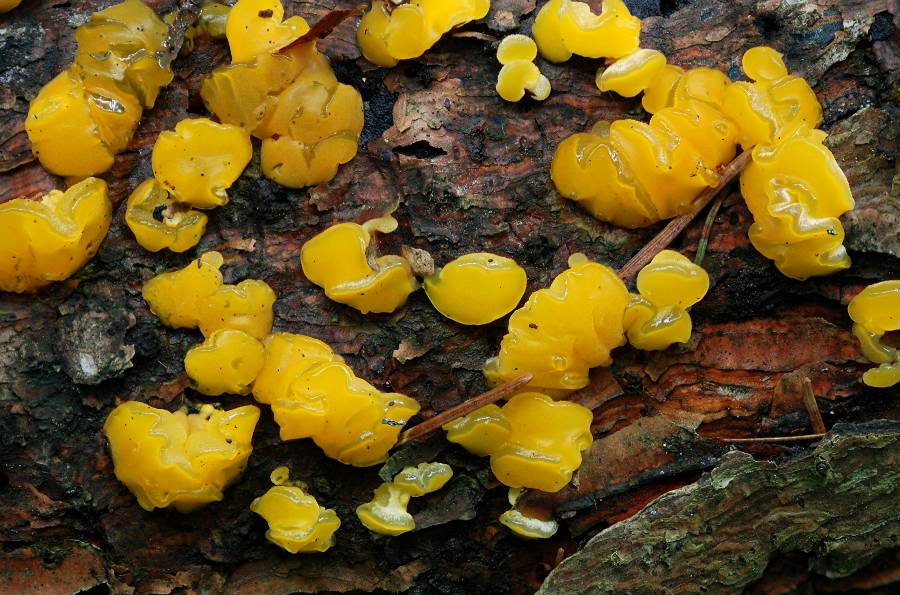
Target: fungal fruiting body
[(336, 260), (564, 27), (668, 286), (7, 5), (793, 186), (476, 288), (286, 356), (50, 239), (519, 73), (632, 173), (86, 115), (481, 432), (179, 459), (246, 306), (296, 521), (876, 311), (158, 223), (288, 97), (348, 418), (388, 33), (226, 362), (564, 330), (386, 513), (631, 74), (525, 525)]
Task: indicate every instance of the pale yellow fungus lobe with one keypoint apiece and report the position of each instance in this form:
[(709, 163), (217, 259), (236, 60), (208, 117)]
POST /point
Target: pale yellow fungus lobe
[(632, 74), (476, 288), (228, 361), (519, 74), (386, 513)]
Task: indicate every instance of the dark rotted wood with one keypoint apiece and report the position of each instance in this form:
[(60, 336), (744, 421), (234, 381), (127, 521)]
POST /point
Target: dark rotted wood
[(465, 172)]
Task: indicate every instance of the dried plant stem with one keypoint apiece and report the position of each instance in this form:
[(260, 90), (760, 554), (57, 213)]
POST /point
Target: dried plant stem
[(430, 425), (803, 438), (325, 25), (677, 225), (809, 400), (707, 230)]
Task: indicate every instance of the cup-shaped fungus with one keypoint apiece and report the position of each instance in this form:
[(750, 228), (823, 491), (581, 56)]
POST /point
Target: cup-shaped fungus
[(179, 459), (631, 74), (525, 525), (200, 160), (175, 297), (286, 356), (519, 73), (668, 286), (565, 27), (337, 261), (388, 33), (386, 513), (246, 306), (876, 311), (476, 288), (348, 418), (564, 330), (228, 361), (158, 223), (88, 113), (481, 432), (48, 240), (296, 521), (257, 27)]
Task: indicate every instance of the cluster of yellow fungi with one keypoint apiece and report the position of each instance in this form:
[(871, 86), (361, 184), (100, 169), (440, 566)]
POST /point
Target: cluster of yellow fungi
[(386, 513), (875, 311)]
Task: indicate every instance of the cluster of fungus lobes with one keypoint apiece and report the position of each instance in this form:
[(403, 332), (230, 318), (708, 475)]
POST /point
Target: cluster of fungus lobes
[(875, 311), (281, 90), (389, 33), (86, 115), (48, 240), (193, 166), (386, 512), (519, 73)]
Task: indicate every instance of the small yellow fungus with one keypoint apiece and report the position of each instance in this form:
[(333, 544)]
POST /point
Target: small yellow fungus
[(200, 160), (226, 362), (632, 74), (565, 330), (296, 521), (388, 33), (529, 527), (158, 223), (246, 306), (175, 297), (519, 74), (337, 261), (668, 286), (8, 5), (257, 27), (565, 27), (876, 311), (477, 288), (481, 432), (544, 446), (660, 93), (386, 513), (179, 459), (348, 418), (50, 239), (286, 356)]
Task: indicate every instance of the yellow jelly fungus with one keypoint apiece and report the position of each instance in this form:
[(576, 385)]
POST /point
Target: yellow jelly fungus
[(246, 306), (386, 513), (543, 449), (179, 459), (519, 74), (632, 74), (565, 330), (226, 362), (388, 33), (200, 160), (774, 105), (157, 222), (50, 239), (565, 27), (337, 261), (797, 192), (529, 527), (7, 5), (309, 122), (296, 521), (634, 174), (257, 27), (481, 432), (477, 288), (668, 286), (88, 113), (659, 93), (876, 311), (348, 418), (175, 297), (211, 21), (286, 356)]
